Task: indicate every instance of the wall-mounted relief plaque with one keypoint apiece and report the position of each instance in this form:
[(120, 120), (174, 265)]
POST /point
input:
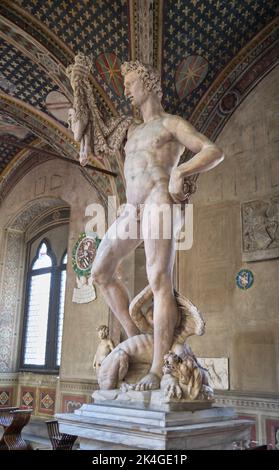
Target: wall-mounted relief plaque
[(217, 371), (260, 229)]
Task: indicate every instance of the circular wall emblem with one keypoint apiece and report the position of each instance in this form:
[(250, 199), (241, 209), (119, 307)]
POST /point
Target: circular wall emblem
[(229, 102), (84, 253), (244, 279)]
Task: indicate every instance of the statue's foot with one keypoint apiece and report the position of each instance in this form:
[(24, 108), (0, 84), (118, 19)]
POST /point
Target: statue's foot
[(125, 387), (148, 382)]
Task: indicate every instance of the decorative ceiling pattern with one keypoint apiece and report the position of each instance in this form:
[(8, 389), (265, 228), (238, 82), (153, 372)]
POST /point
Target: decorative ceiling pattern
[(91, 27), (208, 31), (84, 25), (210, 54), (37, 30), (236, 81), (37, 52), (11, 131), (27, 82), (7, 152)]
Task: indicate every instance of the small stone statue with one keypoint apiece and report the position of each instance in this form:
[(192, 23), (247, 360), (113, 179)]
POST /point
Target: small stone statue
[(104, 348)]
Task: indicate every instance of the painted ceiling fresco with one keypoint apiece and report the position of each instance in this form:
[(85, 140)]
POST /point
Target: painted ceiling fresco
[(199, 46), (200, 38)]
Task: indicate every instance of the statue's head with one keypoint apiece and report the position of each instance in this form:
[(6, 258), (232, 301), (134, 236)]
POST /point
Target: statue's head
[(80, 70), (103, 331), (140, 80), (171, 362)]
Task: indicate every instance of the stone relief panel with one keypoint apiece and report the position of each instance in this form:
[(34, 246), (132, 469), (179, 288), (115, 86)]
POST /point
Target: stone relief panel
[(260, 229), (218, 371)]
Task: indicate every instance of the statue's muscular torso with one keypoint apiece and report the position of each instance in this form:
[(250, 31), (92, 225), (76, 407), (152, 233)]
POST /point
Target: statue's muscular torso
[(151, 153)]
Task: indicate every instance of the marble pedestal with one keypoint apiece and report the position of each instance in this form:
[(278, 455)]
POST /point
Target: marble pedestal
[(110, 425)]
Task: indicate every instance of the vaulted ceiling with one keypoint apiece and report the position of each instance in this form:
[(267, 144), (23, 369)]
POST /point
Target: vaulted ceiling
[(210, 54)]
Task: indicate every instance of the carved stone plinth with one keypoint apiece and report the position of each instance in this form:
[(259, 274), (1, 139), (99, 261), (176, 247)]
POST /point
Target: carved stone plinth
[(106, 426), (152, 400)]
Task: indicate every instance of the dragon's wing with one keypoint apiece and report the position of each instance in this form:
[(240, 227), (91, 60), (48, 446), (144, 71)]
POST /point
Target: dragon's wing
[(191, 323)]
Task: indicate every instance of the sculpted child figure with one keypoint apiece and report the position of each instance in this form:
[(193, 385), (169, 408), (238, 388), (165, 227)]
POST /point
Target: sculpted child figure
[(153, 178), (104, 347)]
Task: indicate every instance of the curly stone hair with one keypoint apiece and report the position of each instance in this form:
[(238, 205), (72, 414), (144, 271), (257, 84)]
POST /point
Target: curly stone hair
[(149, 76), (104, 329)]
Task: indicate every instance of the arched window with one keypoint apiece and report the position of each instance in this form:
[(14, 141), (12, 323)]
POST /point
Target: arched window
[(44, 310)]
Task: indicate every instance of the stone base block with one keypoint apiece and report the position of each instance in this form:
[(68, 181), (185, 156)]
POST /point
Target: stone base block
[(106, 426), (151, 400)]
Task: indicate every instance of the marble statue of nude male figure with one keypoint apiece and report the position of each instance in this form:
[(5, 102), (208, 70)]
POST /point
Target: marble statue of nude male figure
[(152, 154)]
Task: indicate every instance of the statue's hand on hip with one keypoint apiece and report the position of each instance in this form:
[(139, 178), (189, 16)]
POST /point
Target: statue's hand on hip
[(190, 186), (176, 186)]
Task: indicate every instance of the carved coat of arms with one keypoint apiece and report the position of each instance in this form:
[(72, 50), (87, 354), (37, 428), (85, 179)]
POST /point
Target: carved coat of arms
[(83, 255)]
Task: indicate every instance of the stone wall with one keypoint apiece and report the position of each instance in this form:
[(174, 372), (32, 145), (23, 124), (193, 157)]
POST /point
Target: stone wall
[(242, 325)]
